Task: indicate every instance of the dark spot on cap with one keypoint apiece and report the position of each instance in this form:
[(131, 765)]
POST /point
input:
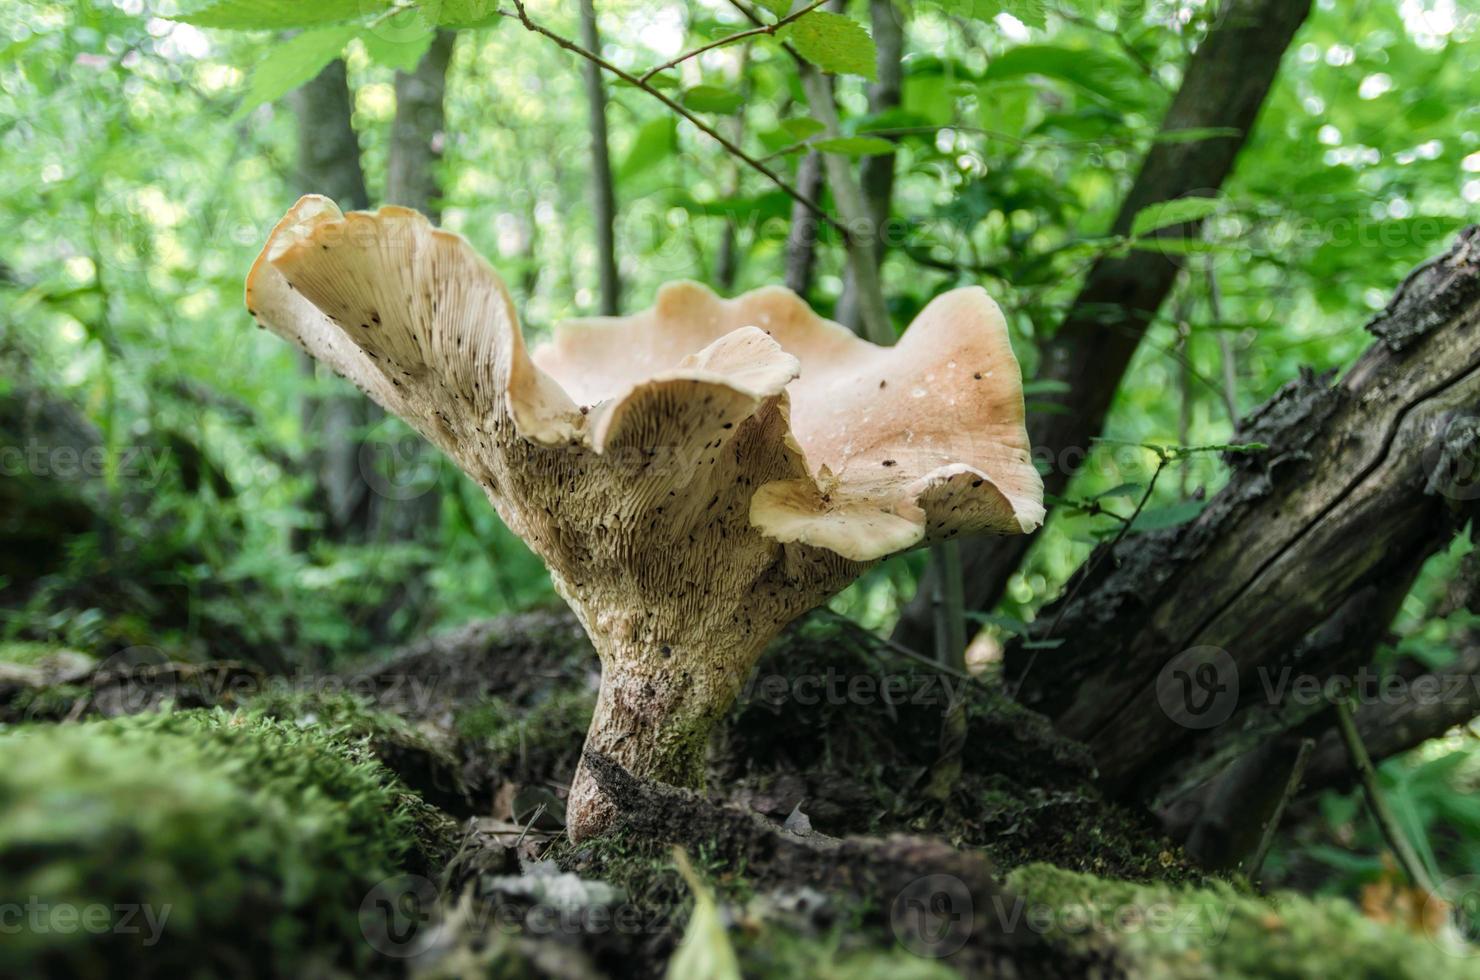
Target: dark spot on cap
[(890, 462), (977, 375)]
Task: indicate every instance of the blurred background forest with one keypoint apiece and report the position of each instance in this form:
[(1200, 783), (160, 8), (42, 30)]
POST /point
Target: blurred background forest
[(222, 499)]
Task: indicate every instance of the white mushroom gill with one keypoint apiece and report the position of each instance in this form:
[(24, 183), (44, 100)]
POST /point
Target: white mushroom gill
[(695, 476)]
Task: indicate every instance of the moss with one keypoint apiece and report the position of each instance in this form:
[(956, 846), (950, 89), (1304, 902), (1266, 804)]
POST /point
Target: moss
[(530, 744), (43, 703), (24, 653), (237, 843), (424, 764), (1216, 931), (782, 954)]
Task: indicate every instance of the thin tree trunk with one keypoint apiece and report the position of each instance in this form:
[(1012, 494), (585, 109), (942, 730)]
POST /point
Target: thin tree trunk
[(603, 203), (329, 164), (727, 259), (874, 323), (877, 172), (418, 131), (1225, 85), (801, 237), (407, 504)]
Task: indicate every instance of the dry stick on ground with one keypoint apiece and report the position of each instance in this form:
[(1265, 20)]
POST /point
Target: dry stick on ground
[(523, 17), (1386, 820), (1224, 86), (1363, 481), (603, 196)]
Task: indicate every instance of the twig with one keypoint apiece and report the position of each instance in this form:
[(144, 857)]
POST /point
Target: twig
[(731, 39), (523, 17), (1376, 802), (1292, 785), (1163, 457)]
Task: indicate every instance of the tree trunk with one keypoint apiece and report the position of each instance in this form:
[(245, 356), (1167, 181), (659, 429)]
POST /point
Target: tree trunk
[(801, 237), (603, 197), (1225, 84), (329, 164), (1180, 648), (877, 172)]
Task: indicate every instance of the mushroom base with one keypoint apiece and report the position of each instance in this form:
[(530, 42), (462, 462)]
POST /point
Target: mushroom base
[(655, 723)]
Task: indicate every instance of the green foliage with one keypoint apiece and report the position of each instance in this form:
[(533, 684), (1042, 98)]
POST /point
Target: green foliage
[(292, 62), (263, 14), (1159, 216), (244, 839), (833, 42)]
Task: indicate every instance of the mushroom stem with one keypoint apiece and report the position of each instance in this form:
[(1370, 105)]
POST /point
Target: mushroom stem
[(655, 721)]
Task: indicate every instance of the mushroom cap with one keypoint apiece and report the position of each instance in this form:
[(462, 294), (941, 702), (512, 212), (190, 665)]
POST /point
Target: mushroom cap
[(920, 441), (867, 450)]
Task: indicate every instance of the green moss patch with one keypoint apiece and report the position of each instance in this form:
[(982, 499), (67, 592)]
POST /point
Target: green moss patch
[(199, 843), (1219, 932)]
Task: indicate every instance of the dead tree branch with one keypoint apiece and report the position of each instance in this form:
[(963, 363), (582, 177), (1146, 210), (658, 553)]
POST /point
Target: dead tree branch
[(1363, 481)]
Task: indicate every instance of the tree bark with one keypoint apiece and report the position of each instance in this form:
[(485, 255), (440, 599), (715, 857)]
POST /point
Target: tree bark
[(801, 237), (876, 173), (603, 196), (1176, 647), (862, 235), (1226, 82), (418, 131), (329, 164)]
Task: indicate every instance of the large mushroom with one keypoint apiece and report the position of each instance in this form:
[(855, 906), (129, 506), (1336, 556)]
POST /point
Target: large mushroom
[(695, 476)]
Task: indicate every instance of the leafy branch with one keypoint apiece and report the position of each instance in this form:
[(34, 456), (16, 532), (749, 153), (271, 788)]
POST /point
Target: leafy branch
[(1165, 456), (763, 29), (522, 15)]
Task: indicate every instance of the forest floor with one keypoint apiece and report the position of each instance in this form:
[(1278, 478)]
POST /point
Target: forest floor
[(404, 819)]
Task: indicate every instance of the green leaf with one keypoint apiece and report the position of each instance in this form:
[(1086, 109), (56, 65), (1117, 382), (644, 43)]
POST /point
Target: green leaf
[(655, 141), (1194, 134), (713, 98), (1030, 12), (832, 42), (468, 13), (705, 949), (1168, 213), (1123, 490), (802, 127), (1169, 516), (855, 146), (1010, 624), (778, 7), (1046, 386), (292, 62), (1103, 76), (271, 14), (389, 50)]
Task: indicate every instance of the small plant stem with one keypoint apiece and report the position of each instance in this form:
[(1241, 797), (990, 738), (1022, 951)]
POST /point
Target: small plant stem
[(1387, 822), (1272, 825)]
